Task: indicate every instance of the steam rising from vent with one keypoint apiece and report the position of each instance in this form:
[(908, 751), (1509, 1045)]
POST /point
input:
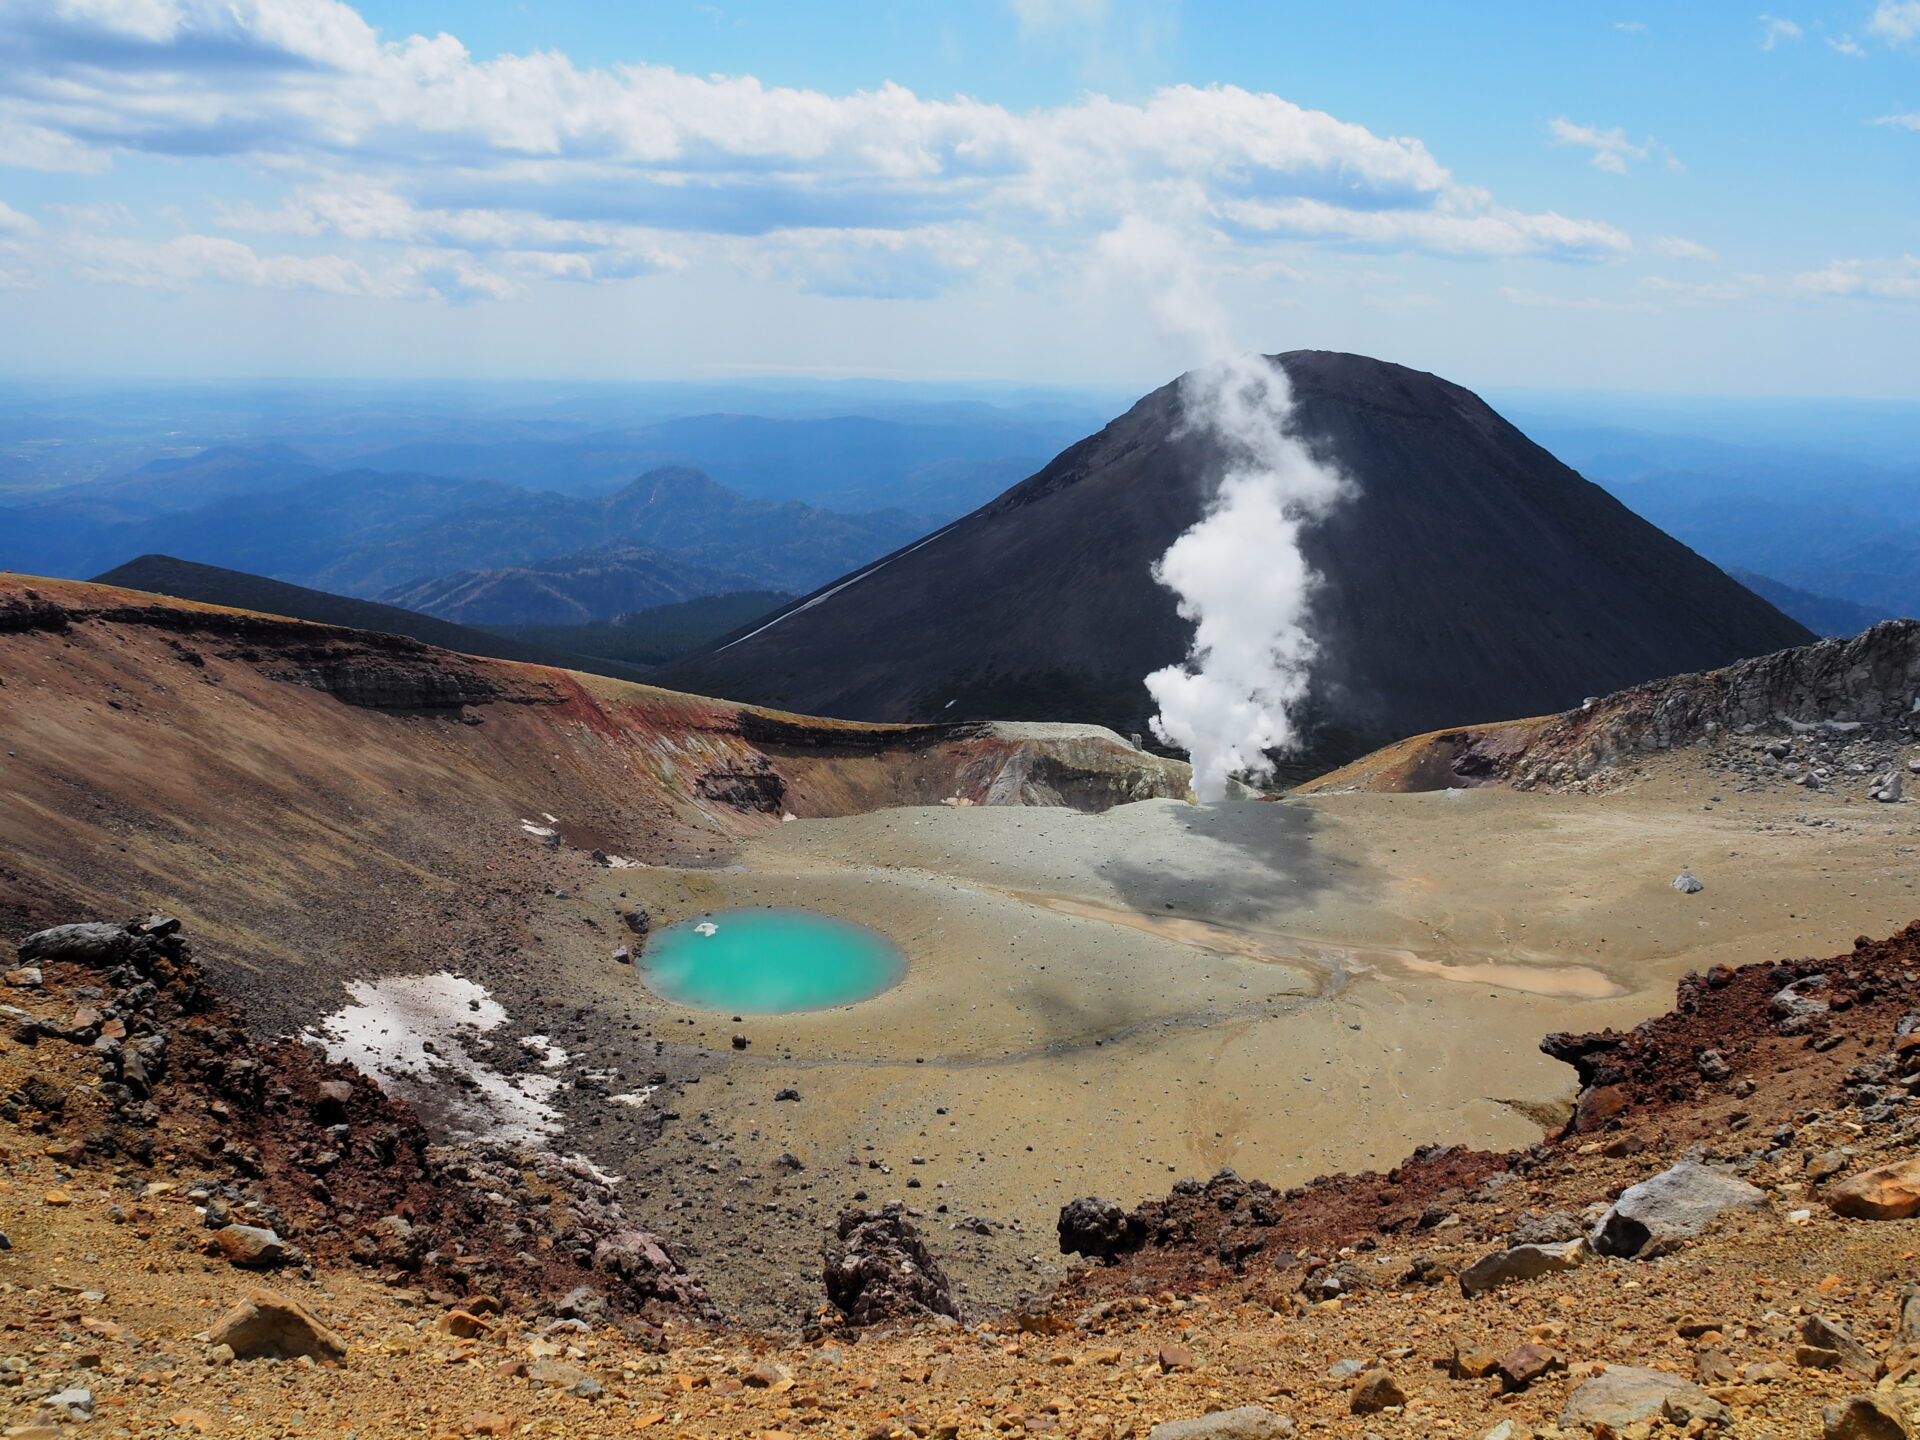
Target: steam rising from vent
[(1239, 572), (1242, 580)]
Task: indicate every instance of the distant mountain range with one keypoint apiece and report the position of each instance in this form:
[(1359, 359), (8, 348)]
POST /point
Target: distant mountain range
[(365, 489), (658, 633), (514, 505), (1472, 575), (366, 533), (212, 585), (677, 511), (945, 465), (1822, 523), (595, 585), (1822, 614)]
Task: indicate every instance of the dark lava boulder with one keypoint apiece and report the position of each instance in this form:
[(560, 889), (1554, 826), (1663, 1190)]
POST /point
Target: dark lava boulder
[(1099, 1229), (1471, 577), (878, 1268)]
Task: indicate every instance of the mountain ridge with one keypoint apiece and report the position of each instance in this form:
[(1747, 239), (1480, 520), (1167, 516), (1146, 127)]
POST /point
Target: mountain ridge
[(1470, 574), (237, 590)]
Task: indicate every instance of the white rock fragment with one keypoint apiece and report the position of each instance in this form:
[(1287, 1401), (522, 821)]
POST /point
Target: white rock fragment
[(416, 1035)]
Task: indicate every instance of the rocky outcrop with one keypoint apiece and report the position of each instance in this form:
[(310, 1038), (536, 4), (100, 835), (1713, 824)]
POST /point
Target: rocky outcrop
[(359, 667), (1629, 1395), (1886, 1192), (304, 1159), (1228, 1221), (1653, 1217), (755, 786), (382, 683), (1520, 1262), (1244, 1422), (1866, 681), (1099, 1229), (268, 1326), (878, 1268), (1813, 716)]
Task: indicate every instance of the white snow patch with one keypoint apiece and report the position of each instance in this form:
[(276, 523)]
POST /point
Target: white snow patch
[(635, 1098), (551, 1055), (541, 830), (385, 1034), (706, 927)]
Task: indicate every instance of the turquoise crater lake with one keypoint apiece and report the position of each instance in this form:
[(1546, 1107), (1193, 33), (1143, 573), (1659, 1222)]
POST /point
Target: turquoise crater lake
[(769, 962)]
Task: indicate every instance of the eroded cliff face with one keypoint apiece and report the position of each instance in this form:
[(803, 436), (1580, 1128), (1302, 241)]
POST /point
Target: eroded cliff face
[(1837, 695), (1866, 683)]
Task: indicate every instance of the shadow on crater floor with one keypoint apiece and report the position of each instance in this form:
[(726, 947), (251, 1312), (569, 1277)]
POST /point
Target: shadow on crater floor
[(1239, 862)]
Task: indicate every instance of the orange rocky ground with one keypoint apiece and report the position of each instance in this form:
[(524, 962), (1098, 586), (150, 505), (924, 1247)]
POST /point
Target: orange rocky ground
[(113, 1286), (317, 805)]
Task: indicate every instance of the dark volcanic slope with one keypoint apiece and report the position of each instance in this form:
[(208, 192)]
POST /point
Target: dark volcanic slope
[(212, 585), (1473, 576)]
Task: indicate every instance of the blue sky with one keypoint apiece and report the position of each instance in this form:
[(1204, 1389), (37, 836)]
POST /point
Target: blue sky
[(1695, 197)]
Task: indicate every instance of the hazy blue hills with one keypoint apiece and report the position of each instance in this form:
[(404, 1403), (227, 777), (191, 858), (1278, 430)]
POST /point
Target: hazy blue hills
[(188, 481), (214, 585), (677, 511), (1828, 523), (362, 490), (1822, 614), (837, 444), (519, 502), (307, 533), (364, 532), (847, 462), (569, 590), (657, 634)]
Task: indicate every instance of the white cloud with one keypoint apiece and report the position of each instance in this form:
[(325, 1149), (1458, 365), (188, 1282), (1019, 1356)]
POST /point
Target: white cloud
[(102, 215), (532, 167), (1774, 29), (1896, 21), (175, 264), (187, 260), (1488, 232), (1847, 45), (1682, 248), (589, 249), (1896, 278), (1631, 27), (1908, 121), (13, 222), (1611, 148), (880, 264), (1888, 279), (36, 147)]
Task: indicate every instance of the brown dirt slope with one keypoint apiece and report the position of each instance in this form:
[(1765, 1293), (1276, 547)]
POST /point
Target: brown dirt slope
[(316, 802)]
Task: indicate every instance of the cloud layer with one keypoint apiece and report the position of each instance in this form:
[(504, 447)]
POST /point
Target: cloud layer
[(446, 175)]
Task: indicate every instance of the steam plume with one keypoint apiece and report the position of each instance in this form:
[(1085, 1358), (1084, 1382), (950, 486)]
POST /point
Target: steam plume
[(1239, 573)]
